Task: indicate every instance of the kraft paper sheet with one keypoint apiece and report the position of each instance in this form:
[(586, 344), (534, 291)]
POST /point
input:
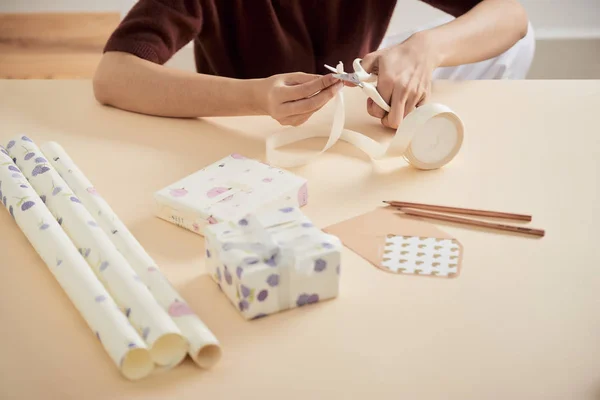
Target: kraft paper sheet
[(378, 236)]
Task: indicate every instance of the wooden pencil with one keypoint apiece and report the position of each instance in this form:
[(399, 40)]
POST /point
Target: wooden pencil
[(457, 210), (473, 222)]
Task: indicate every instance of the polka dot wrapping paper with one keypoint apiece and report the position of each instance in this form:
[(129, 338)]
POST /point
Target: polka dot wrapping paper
[(273, 260), (135, 313), (204, 348), (120, 339), (164, 339), (226, 191)]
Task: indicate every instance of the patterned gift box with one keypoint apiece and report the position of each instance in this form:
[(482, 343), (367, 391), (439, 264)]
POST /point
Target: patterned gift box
[(273, 260), (226, 191)]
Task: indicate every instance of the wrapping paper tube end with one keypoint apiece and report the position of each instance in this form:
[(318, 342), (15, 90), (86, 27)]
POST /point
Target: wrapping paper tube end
[(169, 349), (137, 364), (208, 356)]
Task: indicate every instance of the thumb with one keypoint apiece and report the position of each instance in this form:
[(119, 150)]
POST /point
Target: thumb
[(370, 62)]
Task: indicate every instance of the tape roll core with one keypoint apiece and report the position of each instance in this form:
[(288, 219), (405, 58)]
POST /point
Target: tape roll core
[(436, 142)]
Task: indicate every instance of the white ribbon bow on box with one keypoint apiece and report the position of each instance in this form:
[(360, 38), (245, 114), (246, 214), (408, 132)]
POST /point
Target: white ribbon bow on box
[(256, 234)]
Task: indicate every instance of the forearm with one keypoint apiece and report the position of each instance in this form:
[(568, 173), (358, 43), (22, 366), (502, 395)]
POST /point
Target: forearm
[(130, 83), (489, 29)]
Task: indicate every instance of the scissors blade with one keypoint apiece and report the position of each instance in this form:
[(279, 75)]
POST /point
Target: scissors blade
[(352, 78), (329, 67)]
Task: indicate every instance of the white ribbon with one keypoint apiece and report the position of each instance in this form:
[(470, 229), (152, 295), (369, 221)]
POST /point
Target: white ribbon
[(428, 138), (254, 235)]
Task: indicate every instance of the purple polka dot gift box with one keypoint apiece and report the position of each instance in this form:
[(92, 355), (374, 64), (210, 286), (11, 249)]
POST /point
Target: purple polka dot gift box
[(273, 260), (226, 191)]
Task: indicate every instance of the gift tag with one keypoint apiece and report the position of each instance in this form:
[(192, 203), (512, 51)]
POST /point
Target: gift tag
[(422, 256)]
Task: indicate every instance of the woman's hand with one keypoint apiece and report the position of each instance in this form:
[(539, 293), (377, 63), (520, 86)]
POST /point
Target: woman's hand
[(404, 78), (293, 98), (487, 30)]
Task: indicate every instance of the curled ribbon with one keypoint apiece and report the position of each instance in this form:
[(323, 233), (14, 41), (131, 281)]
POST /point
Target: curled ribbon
[(428, 138)]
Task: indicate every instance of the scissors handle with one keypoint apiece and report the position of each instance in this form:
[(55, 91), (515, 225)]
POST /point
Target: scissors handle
[(371, 91), (360, 72), (369, 88)]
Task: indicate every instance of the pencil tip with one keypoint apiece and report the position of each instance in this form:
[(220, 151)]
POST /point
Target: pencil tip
[(387, 202)]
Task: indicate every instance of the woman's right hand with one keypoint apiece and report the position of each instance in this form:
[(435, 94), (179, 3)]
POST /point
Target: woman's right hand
[(292, 98)]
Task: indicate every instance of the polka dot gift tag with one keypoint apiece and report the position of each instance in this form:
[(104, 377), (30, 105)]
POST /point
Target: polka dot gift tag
[(396, 243), (421, 256)]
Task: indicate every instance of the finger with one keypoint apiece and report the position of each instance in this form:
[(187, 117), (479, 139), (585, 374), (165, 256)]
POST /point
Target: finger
[(309, 88), (425, 96), (385, 87), (385, 84), (414, 96), (396, 114), (313, 103), (423, 100), (369, 62), (374, 110)]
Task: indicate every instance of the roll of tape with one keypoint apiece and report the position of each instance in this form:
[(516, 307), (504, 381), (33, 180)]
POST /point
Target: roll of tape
[(434, 134), (428, 138)]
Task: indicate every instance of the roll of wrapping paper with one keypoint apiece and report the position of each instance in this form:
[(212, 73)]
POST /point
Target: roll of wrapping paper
[(428, 138), (165, 341), (204, 347), (120, 340)]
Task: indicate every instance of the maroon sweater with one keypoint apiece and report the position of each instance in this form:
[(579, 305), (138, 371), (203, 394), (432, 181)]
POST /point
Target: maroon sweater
[(259, 38)]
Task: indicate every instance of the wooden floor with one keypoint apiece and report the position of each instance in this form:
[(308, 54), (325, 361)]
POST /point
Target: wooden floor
[(53, 46)]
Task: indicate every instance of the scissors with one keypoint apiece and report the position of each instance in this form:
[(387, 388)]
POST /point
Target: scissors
[(362, 79)]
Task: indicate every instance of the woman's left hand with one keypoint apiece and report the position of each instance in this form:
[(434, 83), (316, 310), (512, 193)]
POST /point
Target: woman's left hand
[(404, 78)]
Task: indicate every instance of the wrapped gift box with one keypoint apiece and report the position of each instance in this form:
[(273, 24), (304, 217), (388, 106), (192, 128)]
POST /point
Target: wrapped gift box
[(273, 260), (226, 191)]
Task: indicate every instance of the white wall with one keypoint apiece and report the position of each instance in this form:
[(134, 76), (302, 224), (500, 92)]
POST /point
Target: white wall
[(550, 18), (564, 18)]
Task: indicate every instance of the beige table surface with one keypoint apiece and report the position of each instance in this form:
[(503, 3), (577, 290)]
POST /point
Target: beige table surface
[(521, 322)]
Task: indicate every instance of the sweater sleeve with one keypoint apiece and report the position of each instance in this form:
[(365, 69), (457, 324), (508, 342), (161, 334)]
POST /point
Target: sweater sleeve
[(156, 29), (456, 8)]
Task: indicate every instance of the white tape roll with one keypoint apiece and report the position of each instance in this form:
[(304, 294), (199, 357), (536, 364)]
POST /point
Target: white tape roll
[(428, 138)]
